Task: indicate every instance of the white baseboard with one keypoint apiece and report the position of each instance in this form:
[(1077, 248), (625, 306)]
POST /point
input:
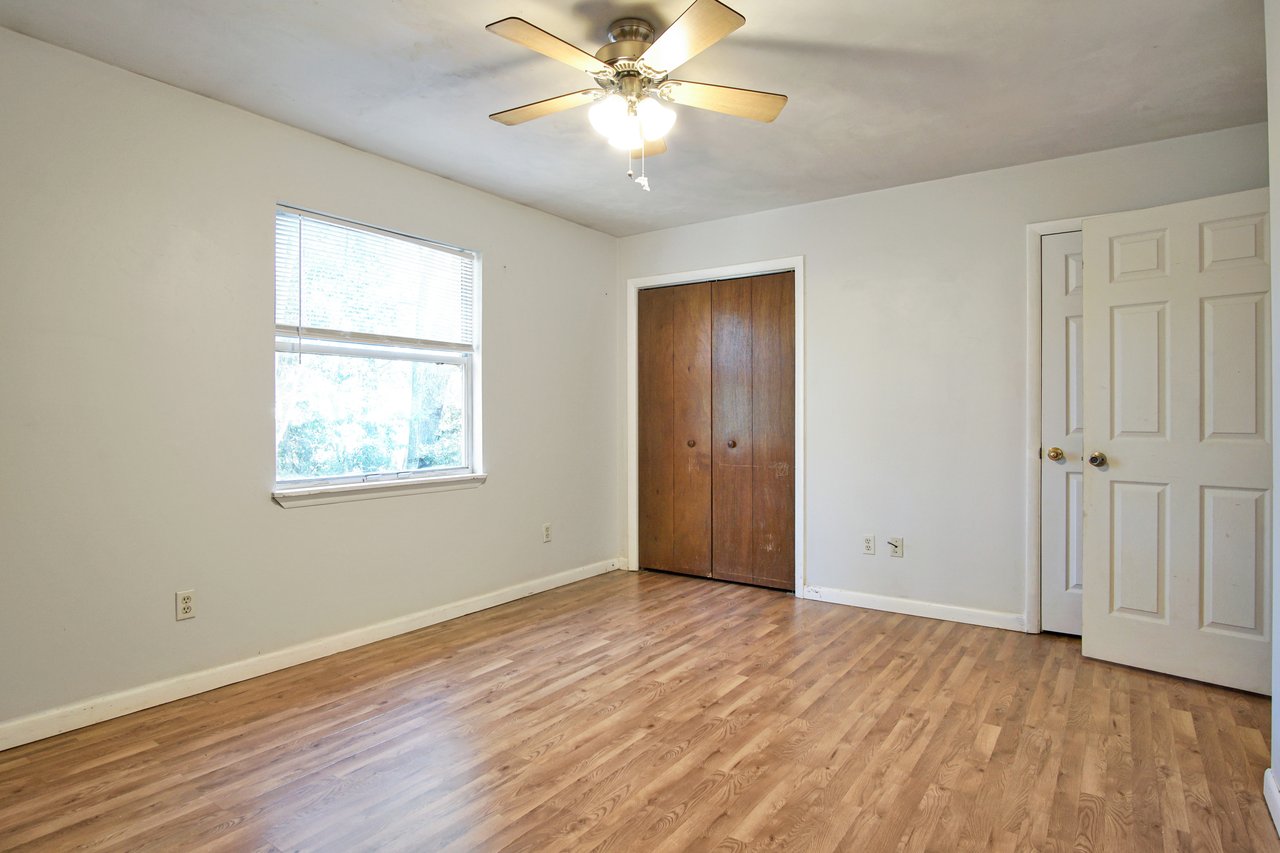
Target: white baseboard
[(78, 714), (913, 607), (1272, 796)]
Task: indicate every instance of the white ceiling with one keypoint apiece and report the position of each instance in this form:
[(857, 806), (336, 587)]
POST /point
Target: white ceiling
[(883, 92)]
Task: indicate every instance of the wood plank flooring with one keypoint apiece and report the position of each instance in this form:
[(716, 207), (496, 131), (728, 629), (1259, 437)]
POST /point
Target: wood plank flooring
[(652, 712)]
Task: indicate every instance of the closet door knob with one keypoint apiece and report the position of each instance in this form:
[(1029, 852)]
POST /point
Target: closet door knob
[(733, 443), (691, 442)]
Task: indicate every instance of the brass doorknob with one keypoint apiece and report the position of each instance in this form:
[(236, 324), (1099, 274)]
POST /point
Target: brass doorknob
[(692, 442), (1097, 459), (733, 443), (1054, 453)]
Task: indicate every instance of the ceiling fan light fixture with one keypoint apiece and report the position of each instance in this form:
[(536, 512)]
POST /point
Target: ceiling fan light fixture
[(608, 114), (630, 104), (628, 127), (628, 134), (656, 119)]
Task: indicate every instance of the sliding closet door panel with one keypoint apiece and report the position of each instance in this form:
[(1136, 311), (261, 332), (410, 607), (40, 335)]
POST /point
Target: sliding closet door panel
[(691, 380), (655, 352), (773, 413), (731, 452)]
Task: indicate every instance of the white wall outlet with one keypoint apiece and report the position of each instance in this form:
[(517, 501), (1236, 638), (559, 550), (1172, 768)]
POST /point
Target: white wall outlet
[(546, 532), (869, 544), (895, 546), (184, 605)]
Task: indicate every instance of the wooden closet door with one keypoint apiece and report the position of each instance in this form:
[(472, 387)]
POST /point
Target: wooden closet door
[(773, 421), (731, 504), (674, 386), (656, 415), (753, 423)]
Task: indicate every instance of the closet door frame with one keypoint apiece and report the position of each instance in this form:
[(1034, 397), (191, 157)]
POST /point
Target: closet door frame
[(634, 286)]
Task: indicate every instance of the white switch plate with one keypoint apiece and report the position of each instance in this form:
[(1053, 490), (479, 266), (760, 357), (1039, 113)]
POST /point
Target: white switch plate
[(869, 544), (895, 546)]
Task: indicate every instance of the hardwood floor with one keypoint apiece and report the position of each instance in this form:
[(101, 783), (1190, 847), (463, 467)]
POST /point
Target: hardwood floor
[(653, 712)]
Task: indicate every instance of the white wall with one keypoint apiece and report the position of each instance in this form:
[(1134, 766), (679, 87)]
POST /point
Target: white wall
[(916, 317), (136, 371), (1273, 109), (136, 378)]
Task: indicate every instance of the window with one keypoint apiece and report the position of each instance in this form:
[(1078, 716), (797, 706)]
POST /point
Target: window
[(376, 353)]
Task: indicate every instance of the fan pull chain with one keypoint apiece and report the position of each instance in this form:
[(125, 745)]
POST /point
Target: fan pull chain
[(643, 180)]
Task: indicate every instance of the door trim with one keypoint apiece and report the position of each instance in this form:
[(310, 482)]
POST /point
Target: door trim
[(1035, 401), (634, 286)]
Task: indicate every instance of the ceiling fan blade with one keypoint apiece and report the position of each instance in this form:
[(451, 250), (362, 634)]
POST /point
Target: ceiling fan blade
[(538, 109), (651, 149), (524, 33), (702, 25), (747, 103)]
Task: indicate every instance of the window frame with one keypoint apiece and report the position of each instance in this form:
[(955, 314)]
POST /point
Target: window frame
[(321, 341)]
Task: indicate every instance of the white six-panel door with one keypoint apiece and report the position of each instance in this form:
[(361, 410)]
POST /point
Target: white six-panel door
[(1062, 431), (1177, 398)]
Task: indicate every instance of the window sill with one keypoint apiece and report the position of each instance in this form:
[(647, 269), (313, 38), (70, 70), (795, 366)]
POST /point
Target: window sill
[(341, 493)]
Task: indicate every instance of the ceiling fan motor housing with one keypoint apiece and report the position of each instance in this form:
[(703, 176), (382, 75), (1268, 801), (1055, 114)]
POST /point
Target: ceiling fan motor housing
[(628, 39)]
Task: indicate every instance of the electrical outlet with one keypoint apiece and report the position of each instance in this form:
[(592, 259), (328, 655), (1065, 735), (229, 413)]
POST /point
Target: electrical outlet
[(184, 605), (869, 544), (895, 546), (546, 532)]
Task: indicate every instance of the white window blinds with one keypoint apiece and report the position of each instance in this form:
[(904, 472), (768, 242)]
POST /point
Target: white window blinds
[(340, 277)]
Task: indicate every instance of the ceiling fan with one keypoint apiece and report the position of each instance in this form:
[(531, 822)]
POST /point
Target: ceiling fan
[(631, 75)]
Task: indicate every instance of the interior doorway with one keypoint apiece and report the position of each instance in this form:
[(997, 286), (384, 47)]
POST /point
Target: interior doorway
[(1152, 464)]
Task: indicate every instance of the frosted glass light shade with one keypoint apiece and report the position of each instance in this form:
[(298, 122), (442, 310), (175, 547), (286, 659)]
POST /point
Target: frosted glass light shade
[(655, 119), (628, 130), (628, 134), (607, 114)]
